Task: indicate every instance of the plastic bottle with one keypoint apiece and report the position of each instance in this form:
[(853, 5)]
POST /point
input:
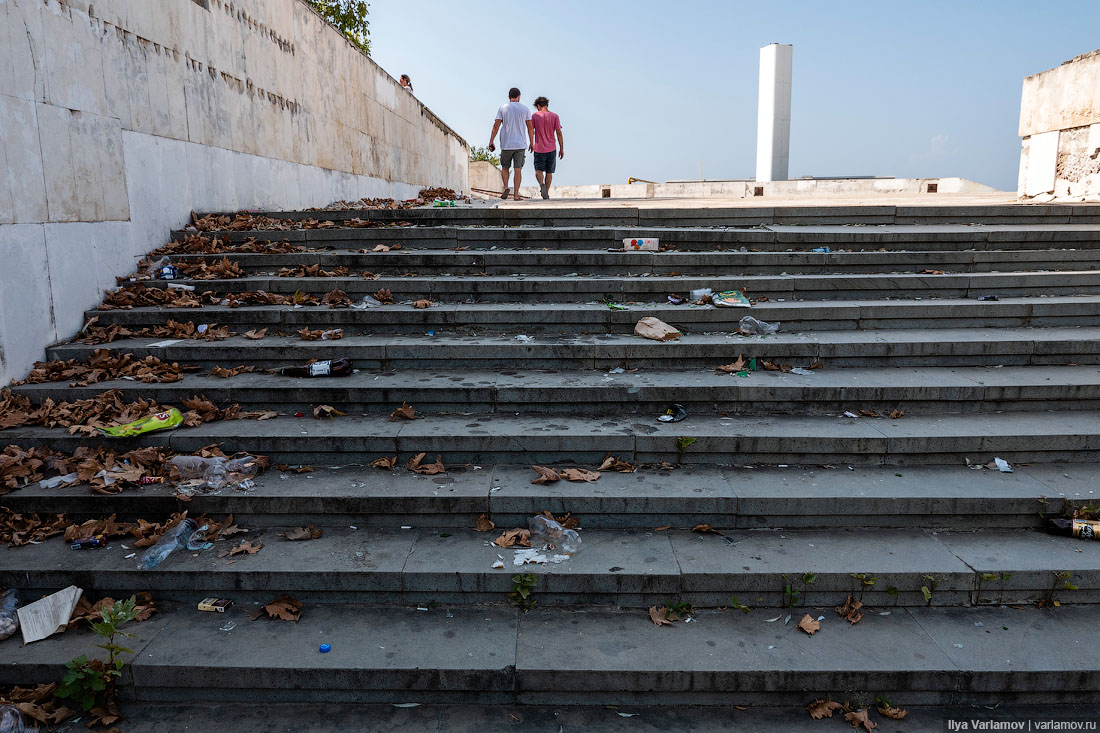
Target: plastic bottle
[(172, 540), (333, 368), (548, 534), (1085, 529), (9, 619), (749, 326), (11, 720)]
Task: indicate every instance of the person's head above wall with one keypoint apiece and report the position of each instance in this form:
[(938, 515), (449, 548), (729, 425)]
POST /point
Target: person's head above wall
[(542, 102), (513, 94)]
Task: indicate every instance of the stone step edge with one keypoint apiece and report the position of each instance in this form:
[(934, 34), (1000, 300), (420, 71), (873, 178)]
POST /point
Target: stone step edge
[(400, 655)]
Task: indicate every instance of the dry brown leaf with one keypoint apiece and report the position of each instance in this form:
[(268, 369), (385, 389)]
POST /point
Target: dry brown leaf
[(298, 534), (579, 474), (816, 365), (250, 547), (568, 521), (733, 367), (381, 248), (860, 717), (384, 296), (426, 469), (704, 528), (819, 709), (483, 524), (868, 413), (283, 607), (662, 616), (91, 613), (897, 413), (614, 464), (327, 412), (850, 610), (809, 624), (517, 536), (405, 412), (286, 468), (662, 528), (384, 463), (422, 303), (930, 272), (255, 335), (894, 713), (546, 475)]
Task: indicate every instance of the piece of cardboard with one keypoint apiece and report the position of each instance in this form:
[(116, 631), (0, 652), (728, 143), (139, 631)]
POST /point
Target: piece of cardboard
[(49, 615)]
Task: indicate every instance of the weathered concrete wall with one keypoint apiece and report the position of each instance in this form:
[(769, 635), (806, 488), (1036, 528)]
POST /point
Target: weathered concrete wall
[(118, 118), (1060, 131), (484, 175)]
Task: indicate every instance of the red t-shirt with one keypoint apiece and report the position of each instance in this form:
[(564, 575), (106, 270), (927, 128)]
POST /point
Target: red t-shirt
[(546, 124)]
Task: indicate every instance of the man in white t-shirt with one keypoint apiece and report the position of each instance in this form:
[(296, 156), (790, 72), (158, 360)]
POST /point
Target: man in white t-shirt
[(513, 119)]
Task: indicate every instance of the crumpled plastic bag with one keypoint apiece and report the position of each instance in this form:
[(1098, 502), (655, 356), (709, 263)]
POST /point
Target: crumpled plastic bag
[(159, 421)]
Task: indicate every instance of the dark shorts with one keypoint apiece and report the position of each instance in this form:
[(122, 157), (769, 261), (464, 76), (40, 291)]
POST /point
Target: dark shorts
[(510, 157), (546, 162)]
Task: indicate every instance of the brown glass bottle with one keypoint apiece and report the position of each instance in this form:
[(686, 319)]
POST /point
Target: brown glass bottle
[(1086, 529), (333, 368)]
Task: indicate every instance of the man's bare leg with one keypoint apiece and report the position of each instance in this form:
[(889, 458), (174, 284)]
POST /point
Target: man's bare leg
[(518, 178), (504, 182)]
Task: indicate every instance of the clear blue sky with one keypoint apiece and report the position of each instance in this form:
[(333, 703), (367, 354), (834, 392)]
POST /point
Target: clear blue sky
[(650, 89)]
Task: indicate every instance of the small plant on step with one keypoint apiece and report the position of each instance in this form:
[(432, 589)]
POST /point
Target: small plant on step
[(523, 584), (866, 582), (808, 579), (990, 578), (791, 595), (929, 588), (680, 608), (892, 591), (682, 444), (734, 603), (1061, 582), (93, 683)]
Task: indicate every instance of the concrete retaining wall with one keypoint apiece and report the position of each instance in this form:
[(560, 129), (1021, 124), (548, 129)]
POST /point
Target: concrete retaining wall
[(119, 118), (484, 175), (1060, 129)]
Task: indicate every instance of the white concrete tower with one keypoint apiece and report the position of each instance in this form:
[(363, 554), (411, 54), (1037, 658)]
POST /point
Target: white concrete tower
[(773, 114)]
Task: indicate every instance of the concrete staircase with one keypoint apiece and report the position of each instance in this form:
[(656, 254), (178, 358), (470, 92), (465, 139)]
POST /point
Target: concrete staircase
[(803, 498)]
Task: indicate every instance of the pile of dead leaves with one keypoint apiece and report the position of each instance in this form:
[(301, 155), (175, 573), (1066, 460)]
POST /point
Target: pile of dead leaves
[(384, 296), (331, 334), (424, 198), (38, 704), (17, 530), (201, 409), (850, 611), (103, 365), (550, 475), (91, 613), (336, 299), (200, 269), (262, 297), (285, 608), (93, 334), (312, 271), (824, 708), (200, 244), (104, 470), (137, 295), (219, 371), (416, 465), (81, 416)]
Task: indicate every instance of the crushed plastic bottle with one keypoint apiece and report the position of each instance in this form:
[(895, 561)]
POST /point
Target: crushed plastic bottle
[(11, 720), (368, 301), (216, 471), (9, 619), (749, 326), (172, 540), (548, 534)]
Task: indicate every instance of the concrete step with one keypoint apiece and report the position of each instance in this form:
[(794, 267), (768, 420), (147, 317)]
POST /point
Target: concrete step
[(632, 215), (549, 288), (433, 261), (561, 657), (623, 568), (773, 238), (916, 391), (596, 318), (483, 439), (844, 348), (933, 497), (243, 717)]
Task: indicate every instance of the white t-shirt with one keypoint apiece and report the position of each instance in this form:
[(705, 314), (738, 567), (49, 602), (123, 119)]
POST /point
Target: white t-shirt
[(513, 128)]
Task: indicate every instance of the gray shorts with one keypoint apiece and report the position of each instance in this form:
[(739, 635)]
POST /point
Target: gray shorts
[(507, 157)]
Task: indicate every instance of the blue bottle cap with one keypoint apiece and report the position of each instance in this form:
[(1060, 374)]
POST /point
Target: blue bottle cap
[(326, 648)]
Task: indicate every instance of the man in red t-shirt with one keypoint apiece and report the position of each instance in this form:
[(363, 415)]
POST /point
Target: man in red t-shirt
[(546, 124)]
